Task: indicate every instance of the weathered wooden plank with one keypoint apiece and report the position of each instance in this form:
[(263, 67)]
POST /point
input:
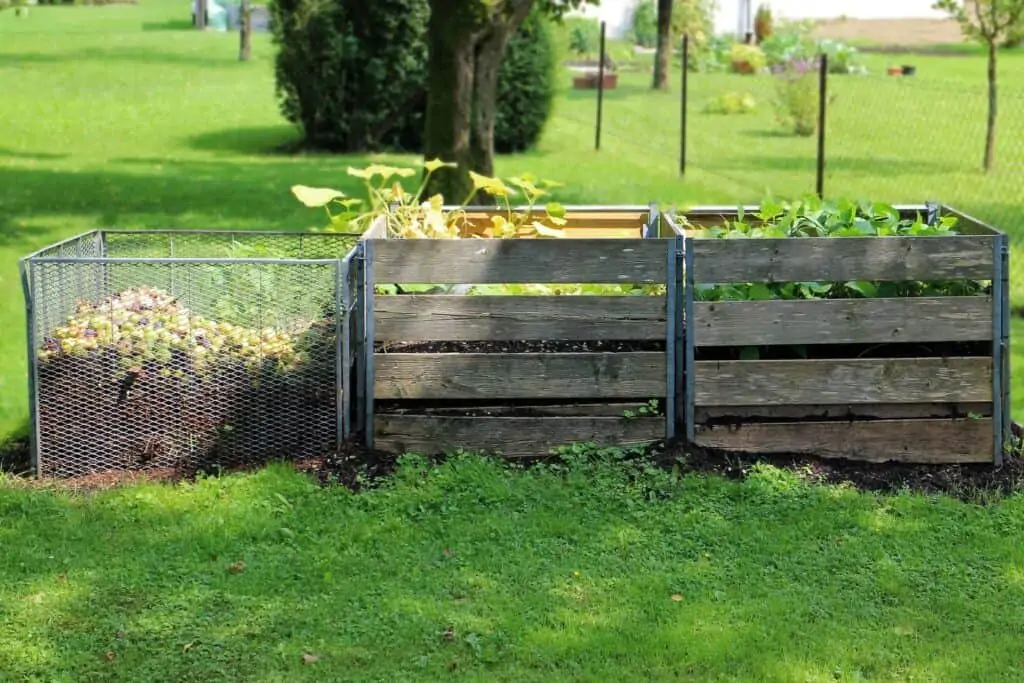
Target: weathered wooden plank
[(913, 441), (576, 409), (495, 261), (843, 258), (886, 411), (414, 317), (513, 437), (843, 321), (845, 381), (519, 375)]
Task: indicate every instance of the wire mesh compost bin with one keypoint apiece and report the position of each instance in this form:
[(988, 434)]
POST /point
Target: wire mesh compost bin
[(186, 349)]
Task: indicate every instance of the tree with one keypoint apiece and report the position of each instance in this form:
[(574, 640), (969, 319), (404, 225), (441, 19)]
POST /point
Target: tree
[(466, 41), (989, 22), (664, 50)]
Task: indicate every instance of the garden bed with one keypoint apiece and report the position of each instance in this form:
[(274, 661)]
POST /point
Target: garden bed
[(890, 345), (519, 367)]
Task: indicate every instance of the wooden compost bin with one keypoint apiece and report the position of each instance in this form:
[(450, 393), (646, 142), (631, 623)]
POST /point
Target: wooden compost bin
[(516, 374), (917, 379)]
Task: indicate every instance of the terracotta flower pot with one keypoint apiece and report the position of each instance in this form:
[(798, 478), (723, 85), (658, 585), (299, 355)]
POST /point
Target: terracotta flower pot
[(895, 71), (590, 81)]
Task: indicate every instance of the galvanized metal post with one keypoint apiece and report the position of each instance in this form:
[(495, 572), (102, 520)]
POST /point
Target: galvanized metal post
[(600, 91), (1005, 340), (652, 228), (1000, 350), (672, 313), (819, 185), (681, 324), (932, 211), (25, 268), (368, 289), (359, 353), (342, 348), (688, 361)]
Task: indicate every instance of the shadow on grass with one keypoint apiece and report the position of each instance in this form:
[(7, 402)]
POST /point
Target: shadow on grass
[(31, 156), (169, 25), (518, 577), (126, 55), (262, 140), (168, 194)]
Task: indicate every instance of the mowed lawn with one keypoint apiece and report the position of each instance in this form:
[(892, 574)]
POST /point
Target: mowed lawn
[(120, 117), (588, 569)]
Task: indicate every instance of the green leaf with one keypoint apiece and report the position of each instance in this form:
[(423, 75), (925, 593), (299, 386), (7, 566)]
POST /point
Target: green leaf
[(866, 289), (316, 196), (759, 292), (555, 210)]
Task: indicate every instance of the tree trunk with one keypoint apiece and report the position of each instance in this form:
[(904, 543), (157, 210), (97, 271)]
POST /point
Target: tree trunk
[(664, 50), (450, 76), (487, 65), (201, 10), (245, 32), (990, 131), (465, 53)]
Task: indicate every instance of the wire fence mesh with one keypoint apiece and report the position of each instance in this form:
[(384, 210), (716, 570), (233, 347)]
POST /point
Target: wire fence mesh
[(143, 360), (907, 139)]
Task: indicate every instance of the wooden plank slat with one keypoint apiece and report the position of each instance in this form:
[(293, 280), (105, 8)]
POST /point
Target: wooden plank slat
[(514, 437), (912, 441), (575, 409), (839, 382), (843, 321), (412, 317), (519, 375), (884, 411), (479, 261), (843, 258)]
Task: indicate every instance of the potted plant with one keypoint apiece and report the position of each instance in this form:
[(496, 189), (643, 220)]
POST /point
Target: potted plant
[(895, 71), (908, 70)]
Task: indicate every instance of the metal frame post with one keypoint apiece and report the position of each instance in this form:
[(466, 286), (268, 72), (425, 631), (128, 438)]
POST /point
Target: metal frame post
[(1000, 347), (652, 229), (358, 340), (368, 334), (672, 313), (688, 360), (342, 349), (25, 268)]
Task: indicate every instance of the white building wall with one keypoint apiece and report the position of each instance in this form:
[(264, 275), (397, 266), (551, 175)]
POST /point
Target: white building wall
[(619, 13)]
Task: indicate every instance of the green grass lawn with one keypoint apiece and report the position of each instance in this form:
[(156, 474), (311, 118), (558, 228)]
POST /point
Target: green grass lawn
[(120, 117), (471, 571)]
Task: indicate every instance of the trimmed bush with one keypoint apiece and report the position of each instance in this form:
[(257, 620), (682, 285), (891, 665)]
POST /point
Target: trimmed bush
[(352, 75), (526, 86)]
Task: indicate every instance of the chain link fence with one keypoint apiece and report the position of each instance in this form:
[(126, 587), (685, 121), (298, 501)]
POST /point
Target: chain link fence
[(185, 350)]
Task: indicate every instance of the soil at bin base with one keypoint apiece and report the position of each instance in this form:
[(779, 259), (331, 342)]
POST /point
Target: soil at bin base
[(358, 469)]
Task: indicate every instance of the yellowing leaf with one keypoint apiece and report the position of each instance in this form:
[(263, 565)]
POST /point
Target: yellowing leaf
[(555, 210), (545, 231), (492, 186), (315, 196), (435, 164)]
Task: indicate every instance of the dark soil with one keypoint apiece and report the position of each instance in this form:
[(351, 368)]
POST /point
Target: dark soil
[(520, 346)]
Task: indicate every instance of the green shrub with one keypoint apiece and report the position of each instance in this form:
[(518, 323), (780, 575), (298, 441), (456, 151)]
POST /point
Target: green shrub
[(353, 75), (731, 103), (584, 37), (645, 24), (526, 86), (747, 59)]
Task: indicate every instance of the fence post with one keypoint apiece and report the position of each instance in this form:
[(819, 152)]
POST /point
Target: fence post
[(600, 91), (822, 109), (682, 103)]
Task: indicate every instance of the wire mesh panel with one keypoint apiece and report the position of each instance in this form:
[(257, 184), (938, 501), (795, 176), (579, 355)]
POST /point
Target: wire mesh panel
[(186, 364)]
